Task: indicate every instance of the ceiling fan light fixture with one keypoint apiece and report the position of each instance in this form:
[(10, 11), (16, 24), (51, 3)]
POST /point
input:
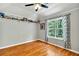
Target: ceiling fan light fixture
[(37, 7)]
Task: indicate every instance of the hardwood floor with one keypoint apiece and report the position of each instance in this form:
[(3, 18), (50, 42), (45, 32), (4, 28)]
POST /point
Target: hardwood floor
[(36, 48)]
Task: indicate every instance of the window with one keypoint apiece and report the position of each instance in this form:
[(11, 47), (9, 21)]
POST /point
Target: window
[(56, 28)]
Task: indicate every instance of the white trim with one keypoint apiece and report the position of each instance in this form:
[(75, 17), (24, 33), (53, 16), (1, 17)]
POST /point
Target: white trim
[(60, 46), (16, 44), (54, 19)]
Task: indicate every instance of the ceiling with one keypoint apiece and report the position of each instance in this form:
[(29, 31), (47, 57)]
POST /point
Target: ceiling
[(58, 7), (18, 9)]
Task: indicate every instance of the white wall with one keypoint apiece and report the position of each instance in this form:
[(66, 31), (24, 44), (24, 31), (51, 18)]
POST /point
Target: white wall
[(75, 30), (13, 32), (74, 18), (41, 33)]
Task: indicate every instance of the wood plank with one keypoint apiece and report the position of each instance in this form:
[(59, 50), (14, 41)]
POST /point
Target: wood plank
[(36, 48)]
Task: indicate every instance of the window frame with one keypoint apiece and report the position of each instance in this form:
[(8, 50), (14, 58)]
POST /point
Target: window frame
[(55, 19)]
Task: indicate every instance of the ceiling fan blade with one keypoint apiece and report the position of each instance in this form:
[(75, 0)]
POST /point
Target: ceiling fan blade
[(42, 5), (29, 4)]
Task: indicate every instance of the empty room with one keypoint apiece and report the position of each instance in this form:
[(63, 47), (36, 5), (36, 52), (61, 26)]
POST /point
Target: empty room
[(39, 29)]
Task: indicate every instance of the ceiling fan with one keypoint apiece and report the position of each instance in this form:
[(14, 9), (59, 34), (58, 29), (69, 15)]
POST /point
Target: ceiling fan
[(37, 5)]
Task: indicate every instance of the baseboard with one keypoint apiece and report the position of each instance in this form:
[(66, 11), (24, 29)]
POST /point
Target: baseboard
[(17, 44), (59, 46)]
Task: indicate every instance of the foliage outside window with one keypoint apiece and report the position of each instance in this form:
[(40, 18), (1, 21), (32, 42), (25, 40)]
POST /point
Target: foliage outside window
[(55, 28)]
